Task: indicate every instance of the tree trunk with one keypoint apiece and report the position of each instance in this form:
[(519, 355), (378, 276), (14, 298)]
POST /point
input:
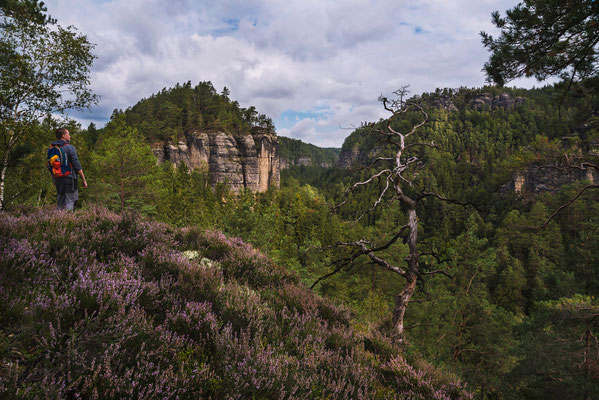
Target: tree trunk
[(3, 169), (373, 279), (401, 303), (122, 192), (587, 363), (122, 195), (404, 297)]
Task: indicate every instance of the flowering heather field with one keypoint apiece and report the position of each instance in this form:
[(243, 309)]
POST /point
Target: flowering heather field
[(96, 305)]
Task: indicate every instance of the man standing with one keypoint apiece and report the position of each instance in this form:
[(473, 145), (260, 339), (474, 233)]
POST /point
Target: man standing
[(66, 186)]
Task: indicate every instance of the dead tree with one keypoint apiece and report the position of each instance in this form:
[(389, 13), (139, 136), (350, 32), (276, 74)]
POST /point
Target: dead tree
[(396, 174)]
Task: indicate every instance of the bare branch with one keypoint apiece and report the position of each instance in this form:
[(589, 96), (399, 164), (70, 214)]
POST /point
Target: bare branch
[(452, 201), (569, 166), (336, 270), (582, 166), (378, 201), (382, 132), (363, 249), (393, 239), (431, 144), (437, 272), (366, 182), (470, 283), (436, 256), (20, 192), (417, 324), (396, 178), (560, 208), (418, 126), (385, 264), (374, 163)]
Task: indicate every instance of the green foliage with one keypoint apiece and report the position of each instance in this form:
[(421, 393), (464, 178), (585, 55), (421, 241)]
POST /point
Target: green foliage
[(168, 114), (502, 265), (123, 166), (44, 71), (543, 39), (558, 350), (25, 11), (517, 318), (184, 197), (488, 324), (295, 152), (461, 326)]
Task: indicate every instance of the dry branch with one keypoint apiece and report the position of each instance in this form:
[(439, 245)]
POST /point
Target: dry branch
[(566, 205)]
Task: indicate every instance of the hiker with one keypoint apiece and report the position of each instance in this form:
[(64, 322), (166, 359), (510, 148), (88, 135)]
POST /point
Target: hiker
[(64, 165)]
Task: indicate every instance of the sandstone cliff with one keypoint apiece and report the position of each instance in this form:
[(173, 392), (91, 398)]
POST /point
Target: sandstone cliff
[(480, 101), (503, 100), (243, 161), (538, 179), (349, 157)]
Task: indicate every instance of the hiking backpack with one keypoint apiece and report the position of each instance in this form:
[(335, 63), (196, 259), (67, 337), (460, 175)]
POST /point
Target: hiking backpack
[(58, 162)]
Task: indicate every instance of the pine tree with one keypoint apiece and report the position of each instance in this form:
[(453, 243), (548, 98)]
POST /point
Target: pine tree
[(123, 163), (544, 38)]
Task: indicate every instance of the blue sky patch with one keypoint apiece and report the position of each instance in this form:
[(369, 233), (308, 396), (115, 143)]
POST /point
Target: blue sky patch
[(229, 26), (291, 117)]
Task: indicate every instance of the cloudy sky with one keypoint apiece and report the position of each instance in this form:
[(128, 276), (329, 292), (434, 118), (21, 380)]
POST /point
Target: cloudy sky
[(316, 67)]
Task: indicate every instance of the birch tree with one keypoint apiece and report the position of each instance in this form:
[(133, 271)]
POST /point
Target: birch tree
[(44, 72)]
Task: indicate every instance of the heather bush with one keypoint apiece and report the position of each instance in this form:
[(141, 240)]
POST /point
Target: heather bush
[(240, 261), (101, 306)]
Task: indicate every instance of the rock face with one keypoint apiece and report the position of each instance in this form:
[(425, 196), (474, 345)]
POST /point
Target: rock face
[(537, 179), (348, 158), (445, 103), (482, 101), (302, 161), (305, 162), (242, 161), (488, 101)]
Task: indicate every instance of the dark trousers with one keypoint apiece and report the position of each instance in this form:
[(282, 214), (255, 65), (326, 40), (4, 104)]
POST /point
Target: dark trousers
[(66, 192)]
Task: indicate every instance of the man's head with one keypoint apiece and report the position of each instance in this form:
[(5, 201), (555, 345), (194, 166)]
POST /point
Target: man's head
[(63, 133)]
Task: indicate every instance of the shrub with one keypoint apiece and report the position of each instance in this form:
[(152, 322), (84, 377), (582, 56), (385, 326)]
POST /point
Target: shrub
[(97, 305)]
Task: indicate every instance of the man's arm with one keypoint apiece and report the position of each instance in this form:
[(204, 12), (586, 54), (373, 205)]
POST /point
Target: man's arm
[(80, 172), (74, 160)]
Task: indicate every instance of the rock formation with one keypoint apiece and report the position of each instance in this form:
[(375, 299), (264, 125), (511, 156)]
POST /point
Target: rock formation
[(302, 161), (445, 103), (242, 161), (538, 179), (349, 157), (488, 101)]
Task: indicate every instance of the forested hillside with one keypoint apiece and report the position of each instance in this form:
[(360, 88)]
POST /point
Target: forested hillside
[(167, 114), (294, 152), (515, 311)]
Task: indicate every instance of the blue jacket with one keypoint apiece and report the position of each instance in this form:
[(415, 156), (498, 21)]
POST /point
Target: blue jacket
[(69, 149)]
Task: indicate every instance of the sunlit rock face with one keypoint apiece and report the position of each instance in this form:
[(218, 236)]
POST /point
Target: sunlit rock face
[(538, 179), (241, 161)]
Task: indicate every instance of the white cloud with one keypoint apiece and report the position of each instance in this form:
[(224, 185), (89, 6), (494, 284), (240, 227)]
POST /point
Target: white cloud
[(278, 56)]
